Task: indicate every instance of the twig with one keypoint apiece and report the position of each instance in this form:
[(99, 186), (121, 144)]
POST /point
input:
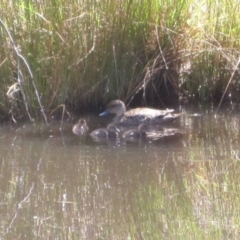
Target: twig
[(20, 56), (19, 206), (160, 49), (230, 80), (90, 51), (235, 155), (63, 112)]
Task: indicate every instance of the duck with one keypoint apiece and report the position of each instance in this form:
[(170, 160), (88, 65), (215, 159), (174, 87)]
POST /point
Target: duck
[(81, 128), (138, 115), (135, 134), (104, 133)]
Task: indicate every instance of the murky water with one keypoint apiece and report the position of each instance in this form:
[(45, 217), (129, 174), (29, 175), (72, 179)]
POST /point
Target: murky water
[(55, 185)]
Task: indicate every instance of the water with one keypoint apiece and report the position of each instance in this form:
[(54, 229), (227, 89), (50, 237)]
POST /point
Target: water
[(55, 185)]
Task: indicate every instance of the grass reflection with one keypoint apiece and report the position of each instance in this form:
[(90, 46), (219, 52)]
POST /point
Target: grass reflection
[(153, 191)]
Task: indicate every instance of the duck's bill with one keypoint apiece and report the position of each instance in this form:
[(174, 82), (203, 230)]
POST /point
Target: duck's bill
[(104, 113)]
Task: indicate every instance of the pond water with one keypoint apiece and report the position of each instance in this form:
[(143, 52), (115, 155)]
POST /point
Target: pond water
[(56, 185)]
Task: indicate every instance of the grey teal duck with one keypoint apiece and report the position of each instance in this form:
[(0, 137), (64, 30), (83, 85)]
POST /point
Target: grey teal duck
[(135, 134), (137, 116), (81, 128), (104, 133)]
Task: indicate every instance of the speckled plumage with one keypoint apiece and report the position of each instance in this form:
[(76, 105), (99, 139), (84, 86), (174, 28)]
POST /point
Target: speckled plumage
[(81, 128), (103, 133), (138, 115), (134, 134)]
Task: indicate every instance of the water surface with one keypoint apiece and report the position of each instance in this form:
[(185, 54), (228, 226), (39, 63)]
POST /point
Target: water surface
[(55, 185)]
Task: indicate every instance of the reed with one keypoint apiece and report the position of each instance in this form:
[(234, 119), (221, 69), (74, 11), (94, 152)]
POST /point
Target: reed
[(82, 53)]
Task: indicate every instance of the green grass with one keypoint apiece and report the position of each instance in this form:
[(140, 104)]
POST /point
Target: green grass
[(84, 53)]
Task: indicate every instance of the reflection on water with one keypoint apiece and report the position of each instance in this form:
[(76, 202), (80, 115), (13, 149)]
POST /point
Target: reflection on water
[(56, 185)]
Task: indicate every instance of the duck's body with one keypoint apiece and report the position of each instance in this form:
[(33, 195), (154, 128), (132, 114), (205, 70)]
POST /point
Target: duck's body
[(135, 134), (104, 133), (81, 128), (138, 115)]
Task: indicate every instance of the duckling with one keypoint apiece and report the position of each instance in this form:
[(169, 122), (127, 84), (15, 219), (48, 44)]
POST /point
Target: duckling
[(135, 134), (103, 133), (81, 128), (138, 115)]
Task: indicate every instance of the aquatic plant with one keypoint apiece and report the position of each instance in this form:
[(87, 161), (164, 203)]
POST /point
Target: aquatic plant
[(82, 53)]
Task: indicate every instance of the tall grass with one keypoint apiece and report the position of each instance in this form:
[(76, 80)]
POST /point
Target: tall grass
[(83, 53)]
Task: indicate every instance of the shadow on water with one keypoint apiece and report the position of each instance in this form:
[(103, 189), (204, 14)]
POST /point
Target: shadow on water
[(55, 185)]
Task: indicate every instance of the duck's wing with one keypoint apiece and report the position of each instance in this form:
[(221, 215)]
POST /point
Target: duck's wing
[(170, 117), (147, 112), (144, 115)]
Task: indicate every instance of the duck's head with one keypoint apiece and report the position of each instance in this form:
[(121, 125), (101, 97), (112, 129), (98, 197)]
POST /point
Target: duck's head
[(82, 122), (81, 127), (113, 128), (116, 107)]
